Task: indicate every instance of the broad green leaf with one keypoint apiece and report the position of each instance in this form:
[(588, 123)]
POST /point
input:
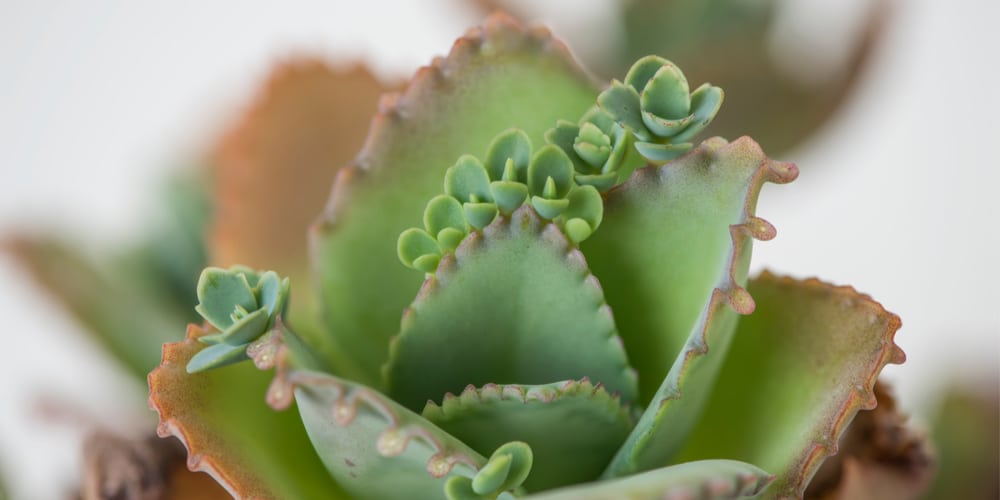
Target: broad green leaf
[(231, 433), (702, 480), (573, 427), (514, 304), (374, 447), (798, 370), (673, 254), (496, 77)]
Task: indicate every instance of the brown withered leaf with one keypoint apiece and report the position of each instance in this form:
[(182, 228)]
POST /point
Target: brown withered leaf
[(880, 457), (274, 168)]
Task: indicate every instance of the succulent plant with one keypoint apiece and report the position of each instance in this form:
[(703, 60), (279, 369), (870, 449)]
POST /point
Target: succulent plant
[(572, 315)]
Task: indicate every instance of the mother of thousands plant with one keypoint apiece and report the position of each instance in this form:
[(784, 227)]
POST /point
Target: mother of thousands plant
[(585, 327)]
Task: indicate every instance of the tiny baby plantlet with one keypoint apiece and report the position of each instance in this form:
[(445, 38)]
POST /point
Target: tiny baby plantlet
[(528, 287)]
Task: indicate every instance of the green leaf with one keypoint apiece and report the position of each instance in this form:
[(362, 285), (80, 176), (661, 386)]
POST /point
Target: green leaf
[(415, 243), (444, 212), (220, 292), (216, 356), (550, 173), (468, 180), (622, 103), (673, 255), (466, 327), (374, 447), (230, 432), (117, 302), (707, 479), (512, 145), (573, 428), (705, 103), (666, 95), (798, 370), (456, 106), (660, 153)]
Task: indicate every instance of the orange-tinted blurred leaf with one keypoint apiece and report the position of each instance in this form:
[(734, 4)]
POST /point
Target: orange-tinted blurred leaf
[(275, 168), (229, 430)]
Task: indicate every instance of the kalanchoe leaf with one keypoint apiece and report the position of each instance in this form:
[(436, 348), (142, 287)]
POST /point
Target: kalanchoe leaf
[(465, 314), (703, 480), (622, 103), (217, 356), (468, 179), (666, 95), (584, 213), (550, 174), (705, 103), (220, 292), (449, 109), (229, 431), (374, 447), (508, 195), (415, 243), (694, 217), (442, 213), (512, 146), (241, 332), (798, 370), (566, 419), (480, 215), (660, 153)]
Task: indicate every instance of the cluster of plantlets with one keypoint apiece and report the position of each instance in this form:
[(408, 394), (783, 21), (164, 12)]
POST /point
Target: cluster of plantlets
[(576, 330)]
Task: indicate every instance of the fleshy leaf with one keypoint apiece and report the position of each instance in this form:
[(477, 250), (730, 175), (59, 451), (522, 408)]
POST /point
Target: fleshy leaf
[(220, 292), (115, 303), (374, 447), (622, 103), (465, 328), (707, 480), (573, 427), (230, 432), (694, 218), (454, 107), (798, 371), (512, 145)]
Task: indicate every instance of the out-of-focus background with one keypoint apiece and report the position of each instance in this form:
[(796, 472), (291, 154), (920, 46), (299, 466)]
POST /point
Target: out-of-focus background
[(100, 101)]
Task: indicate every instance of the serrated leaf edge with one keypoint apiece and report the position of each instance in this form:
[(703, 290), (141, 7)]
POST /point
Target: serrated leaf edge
[(728, 291), (498, 29), (523, 219), (863, 394)]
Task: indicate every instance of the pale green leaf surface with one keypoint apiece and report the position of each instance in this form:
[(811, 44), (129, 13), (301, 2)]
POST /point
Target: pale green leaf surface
[(702, 480), (573, 427), (496, 77), (673, 255), (514, 304), (798, 370), (374, 447)]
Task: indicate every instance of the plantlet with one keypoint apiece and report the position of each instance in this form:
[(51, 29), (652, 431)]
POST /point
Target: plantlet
[(577, 320)]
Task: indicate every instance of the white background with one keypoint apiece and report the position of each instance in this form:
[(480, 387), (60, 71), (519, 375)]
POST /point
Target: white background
[(99, 98)]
